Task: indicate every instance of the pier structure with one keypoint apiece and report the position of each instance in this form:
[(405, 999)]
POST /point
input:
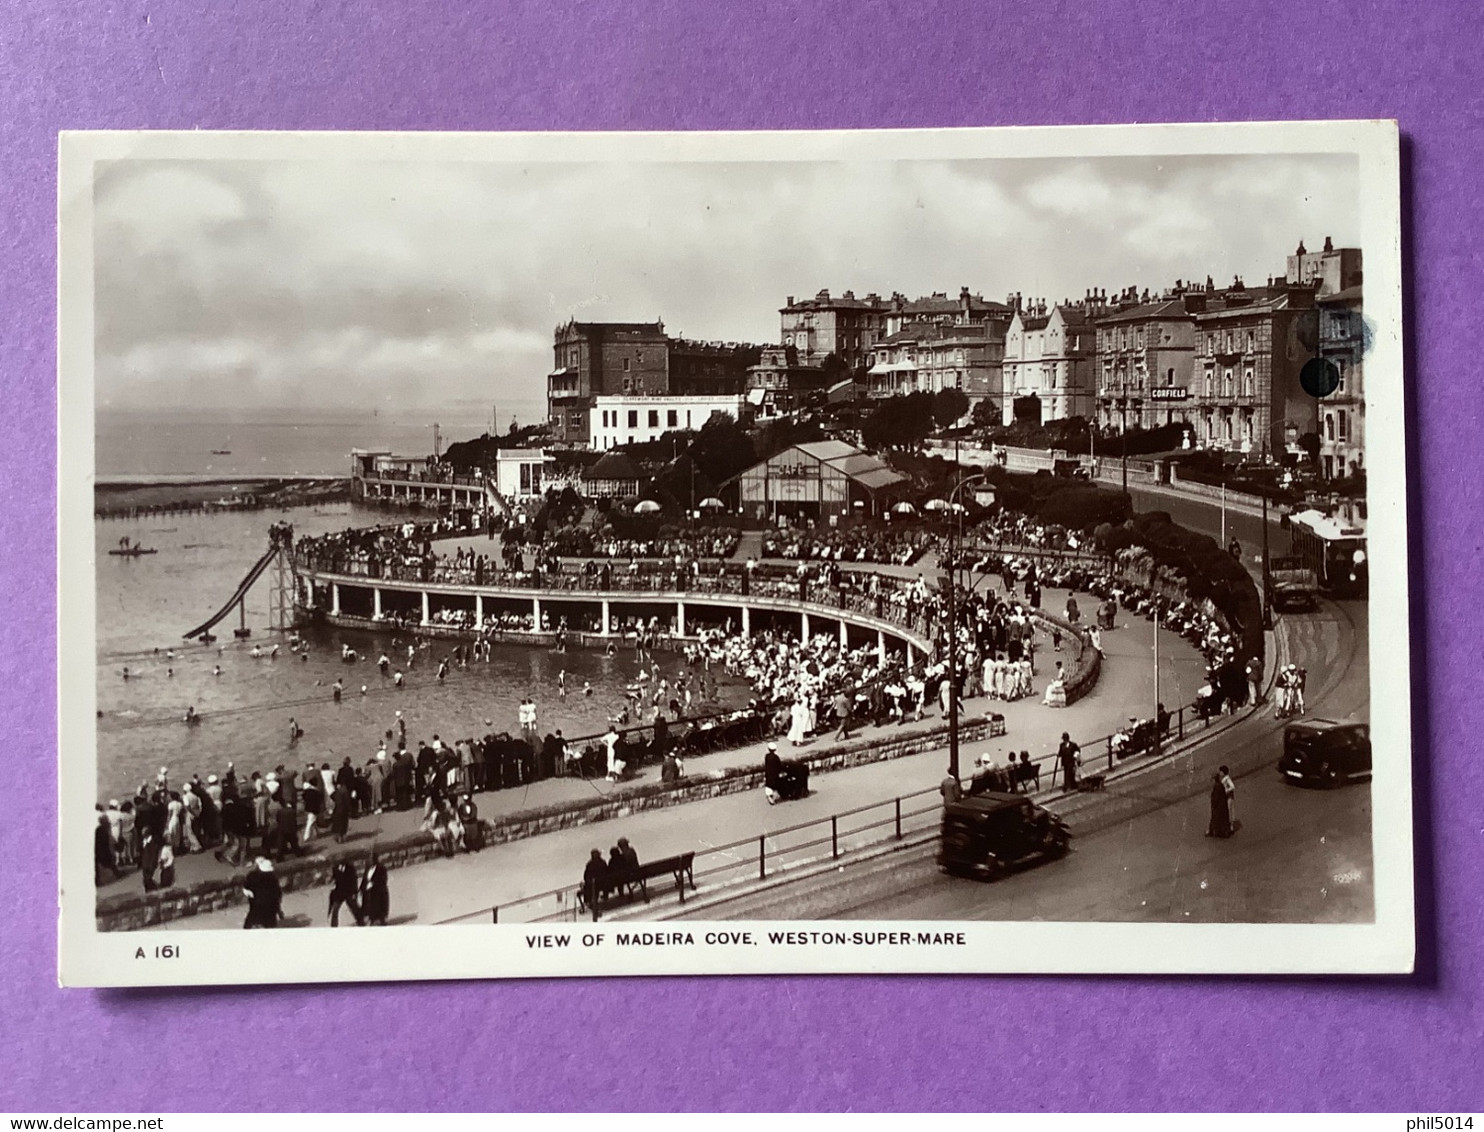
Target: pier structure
[(449, 606), (451, 491)]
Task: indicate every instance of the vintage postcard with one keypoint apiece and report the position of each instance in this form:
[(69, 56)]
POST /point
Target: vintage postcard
[(593, 554)]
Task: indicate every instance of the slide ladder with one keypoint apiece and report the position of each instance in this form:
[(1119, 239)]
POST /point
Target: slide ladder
[(237, 599)]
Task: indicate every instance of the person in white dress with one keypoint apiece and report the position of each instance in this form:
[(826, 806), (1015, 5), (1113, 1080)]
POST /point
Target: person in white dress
[(798, 722)]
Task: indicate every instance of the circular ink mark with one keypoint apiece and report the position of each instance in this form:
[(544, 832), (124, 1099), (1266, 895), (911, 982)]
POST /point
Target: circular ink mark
[(1319, 377)]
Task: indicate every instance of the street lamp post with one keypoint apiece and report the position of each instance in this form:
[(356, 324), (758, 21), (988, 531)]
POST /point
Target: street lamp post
[(953, 556), (1123, 439)]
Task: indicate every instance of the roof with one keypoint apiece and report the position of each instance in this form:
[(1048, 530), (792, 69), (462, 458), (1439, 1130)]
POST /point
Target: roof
[(1348, 295), (989, 802), (1322, 724), (877, 478), (613, 466), (1162, 308), (871, 472), (613, 327), (948, 304), (827, 449), (934, 332), (1326, 526), (834, 302)]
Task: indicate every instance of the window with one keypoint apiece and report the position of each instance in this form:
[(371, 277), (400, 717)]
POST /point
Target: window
[(1250, 341), (1340, 369), (1226, 384), (1140, 341), (628, 385), (633, 420), (1170, 376), (1247, 382), (654, 418), (670, 418), (1228, 341), (1227, 422), (1210, 347), (1210, 381), (1329, 426), (1344, 429), (626, 365)]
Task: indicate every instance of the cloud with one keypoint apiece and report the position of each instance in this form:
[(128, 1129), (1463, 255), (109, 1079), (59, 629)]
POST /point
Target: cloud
[(303, 283)]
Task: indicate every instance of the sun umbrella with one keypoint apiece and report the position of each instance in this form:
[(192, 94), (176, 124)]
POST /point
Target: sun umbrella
[(647, 507), (711, 502), (935, 505), (904, 508)]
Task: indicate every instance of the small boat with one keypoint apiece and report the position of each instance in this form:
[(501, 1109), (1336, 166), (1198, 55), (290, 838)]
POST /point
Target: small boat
[(126, 549), (221, 451)]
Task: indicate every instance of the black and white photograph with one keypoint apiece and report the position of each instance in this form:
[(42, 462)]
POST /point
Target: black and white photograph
[(582, 554)]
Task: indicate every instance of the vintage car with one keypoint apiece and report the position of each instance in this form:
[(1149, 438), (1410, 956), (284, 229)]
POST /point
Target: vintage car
[(988, 834), (1325, 752), (1293, 584)]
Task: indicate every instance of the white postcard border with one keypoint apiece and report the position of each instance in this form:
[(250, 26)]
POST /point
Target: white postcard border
[(91, 958)]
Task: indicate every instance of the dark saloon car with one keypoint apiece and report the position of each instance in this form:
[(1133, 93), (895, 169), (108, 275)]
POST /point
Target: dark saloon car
[(987, 834), (1325, 752)]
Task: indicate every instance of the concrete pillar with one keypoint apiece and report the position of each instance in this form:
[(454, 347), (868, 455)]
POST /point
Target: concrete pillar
[(880, 648), (911, 654), (536, 613), (376, 601), (805, 625), (844, 635), (479, 612), (607, 620), (746, 622), (680, 618), (426, 617), (335, 599)]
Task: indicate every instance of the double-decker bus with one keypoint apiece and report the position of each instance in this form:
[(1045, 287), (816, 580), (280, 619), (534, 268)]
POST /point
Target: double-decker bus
[(1334, 548)]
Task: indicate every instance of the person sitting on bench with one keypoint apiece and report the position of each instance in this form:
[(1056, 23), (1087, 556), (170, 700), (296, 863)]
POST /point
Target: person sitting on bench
[(1027, 771), (595, 879)]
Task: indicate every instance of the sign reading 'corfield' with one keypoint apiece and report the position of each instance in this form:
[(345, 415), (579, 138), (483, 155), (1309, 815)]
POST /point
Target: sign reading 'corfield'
[(1169, 393)]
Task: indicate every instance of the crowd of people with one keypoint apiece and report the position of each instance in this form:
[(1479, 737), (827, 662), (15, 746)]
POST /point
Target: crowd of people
[(862, 543)]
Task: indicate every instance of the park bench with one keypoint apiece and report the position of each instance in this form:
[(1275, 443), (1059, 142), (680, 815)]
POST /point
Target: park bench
[(625, 884)]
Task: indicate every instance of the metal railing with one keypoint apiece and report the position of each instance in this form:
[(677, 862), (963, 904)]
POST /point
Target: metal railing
[(760, 856)]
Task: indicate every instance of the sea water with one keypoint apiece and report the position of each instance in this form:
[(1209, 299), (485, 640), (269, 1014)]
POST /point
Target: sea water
[(146, 603)]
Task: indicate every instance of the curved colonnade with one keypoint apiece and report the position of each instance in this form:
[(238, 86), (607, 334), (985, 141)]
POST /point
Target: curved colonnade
[(443, 600)]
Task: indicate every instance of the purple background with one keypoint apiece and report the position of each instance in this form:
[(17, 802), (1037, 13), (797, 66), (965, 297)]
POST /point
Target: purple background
[(758, 1043)]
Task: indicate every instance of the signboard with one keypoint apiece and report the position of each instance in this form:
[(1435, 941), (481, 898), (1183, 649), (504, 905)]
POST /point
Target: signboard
[(1169, 393)]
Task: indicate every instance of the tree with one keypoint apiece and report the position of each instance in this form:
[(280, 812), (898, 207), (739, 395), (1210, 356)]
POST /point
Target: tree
[(899, 422), (986, 414), (722, 448), (949, 406), (1309, 442)]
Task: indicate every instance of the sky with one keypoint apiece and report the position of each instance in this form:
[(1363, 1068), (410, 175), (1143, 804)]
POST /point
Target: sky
[(301, 286)]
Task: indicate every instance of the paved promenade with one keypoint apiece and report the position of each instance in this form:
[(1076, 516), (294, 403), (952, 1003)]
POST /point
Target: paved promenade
[(446, 889)]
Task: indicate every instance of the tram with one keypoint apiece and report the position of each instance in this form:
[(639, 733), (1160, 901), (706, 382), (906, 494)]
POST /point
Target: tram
[(1335, 549)]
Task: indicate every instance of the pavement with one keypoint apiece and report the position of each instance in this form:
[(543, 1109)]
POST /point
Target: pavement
[(468, 886)]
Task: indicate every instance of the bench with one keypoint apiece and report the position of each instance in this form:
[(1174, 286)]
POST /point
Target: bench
[(624, 884)]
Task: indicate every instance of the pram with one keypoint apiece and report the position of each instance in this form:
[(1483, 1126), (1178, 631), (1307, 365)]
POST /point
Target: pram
[(792, 781)]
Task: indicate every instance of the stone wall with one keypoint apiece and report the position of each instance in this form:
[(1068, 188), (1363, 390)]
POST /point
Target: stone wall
[(133, 911)]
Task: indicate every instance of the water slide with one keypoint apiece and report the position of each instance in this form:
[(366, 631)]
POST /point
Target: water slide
[(232, 602)]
